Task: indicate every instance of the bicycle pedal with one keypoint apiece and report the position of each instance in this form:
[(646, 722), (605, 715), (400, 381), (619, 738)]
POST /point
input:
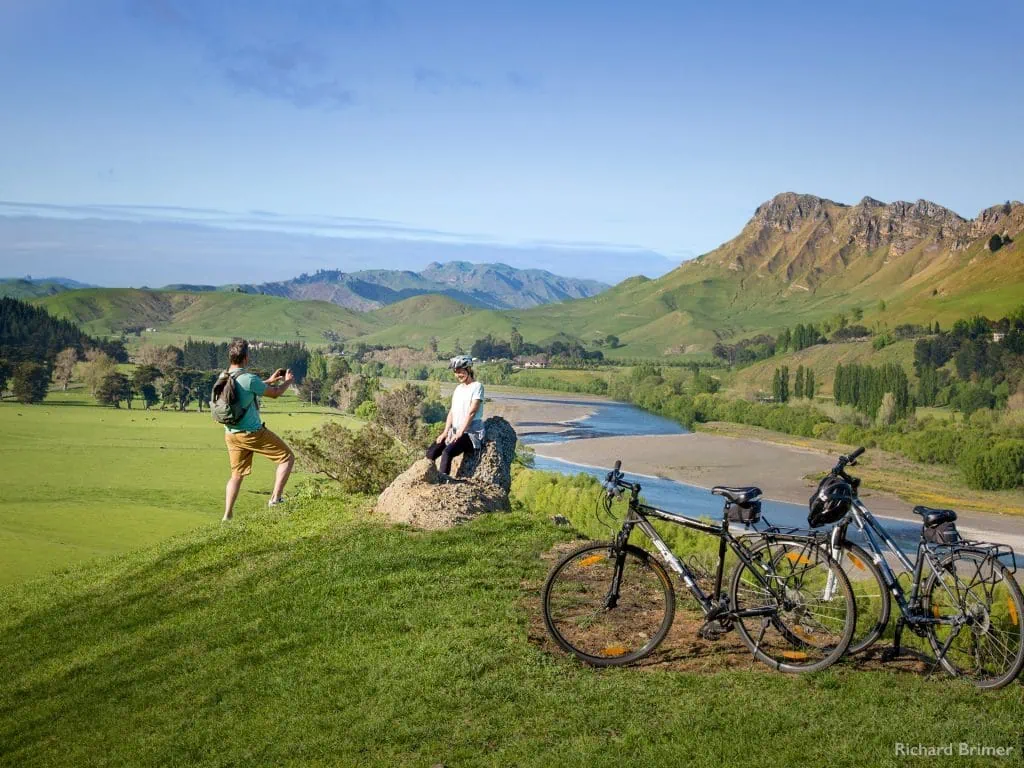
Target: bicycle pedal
[(712, 631)]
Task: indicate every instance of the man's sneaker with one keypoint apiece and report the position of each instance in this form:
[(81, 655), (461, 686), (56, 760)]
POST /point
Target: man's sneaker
[(273, 503)]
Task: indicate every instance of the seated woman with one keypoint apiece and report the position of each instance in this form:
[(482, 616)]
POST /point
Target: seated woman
[(464, 427)]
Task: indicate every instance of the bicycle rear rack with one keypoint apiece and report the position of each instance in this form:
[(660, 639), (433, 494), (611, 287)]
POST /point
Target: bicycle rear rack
[(1002, 552)]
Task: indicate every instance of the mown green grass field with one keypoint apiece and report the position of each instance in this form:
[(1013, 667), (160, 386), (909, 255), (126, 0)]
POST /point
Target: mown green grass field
[(81, 480), (319, 636)]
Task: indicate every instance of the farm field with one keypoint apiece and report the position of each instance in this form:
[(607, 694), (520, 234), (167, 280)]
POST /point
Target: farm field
[(81, 480)]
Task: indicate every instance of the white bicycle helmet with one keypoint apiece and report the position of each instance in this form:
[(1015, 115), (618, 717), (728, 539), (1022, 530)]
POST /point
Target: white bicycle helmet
[(460, 361)]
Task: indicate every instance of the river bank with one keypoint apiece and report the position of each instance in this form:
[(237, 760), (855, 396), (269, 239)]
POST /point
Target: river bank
[(781, 471), (783, 466)]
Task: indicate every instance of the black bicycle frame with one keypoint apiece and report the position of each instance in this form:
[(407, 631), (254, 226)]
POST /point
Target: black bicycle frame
[(637, 517), (874, 533)]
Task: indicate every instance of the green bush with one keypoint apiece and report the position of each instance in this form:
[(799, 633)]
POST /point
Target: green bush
[(579, 498), (362, 462), (993, 466)]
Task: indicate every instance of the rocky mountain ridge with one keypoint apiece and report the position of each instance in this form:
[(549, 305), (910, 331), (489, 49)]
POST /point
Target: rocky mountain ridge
[(805, 239), (488, 286)]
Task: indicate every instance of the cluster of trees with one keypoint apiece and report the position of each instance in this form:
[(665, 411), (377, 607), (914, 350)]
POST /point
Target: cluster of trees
[(28, 381), (29, 333), (746, 350), (801, 337), (567, 349), (34, 346), (882, 392), (803, 385), (987, 455), (988, 363), (266, 356)]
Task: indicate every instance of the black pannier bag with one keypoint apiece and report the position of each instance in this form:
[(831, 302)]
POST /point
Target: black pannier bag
[(747, 514), (944, 534)]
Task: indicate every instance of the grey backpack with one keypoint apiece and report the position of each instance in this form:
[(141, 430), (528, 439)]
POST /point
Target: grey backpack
[(224, 405)]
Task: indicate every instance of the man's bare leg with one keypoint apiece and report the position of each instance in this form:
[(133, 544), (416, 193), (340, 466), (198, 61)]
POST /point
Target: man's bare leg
[(284, 469), (231, 493)]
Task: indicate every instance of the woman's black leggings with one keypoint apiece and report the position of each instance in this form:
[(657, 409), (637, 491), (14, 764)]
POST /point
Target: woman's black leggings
[(449, 452)]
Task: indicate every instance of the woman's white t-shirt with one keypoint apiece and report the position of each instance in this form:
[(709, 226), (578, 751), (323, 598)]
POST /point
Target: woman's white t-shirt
[(462, 402)]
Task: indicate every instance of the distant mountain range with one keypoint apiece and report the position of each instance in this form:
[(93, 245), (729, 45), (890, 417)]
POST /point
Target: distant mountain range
[(799, 259), (28, 287), (486, 286)]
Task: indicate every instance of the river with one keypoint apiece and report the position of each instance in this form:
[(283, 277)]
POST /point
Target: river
[(615, 419)]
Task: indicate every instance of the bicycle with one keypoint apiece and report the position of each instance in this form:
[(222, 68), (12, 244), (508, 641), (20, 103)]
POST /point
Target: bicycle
[(613, 603), (970, 609)]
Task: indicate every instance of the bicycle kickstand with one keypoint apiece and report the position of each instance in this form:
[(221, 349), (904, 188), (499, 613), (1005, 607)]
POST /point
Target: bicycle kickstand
[(893, 653), (765, 621)]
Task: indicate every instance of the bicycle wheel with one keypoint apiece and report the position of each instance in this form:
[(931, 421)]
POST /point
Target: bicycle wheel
[(870, 594), (985, 642), (582, 617), (806, 608)]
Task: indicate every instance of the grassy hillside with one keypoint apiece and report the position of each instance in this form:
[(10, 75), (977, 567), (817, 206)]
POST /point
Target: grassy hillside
[(823, 358), (427, 309), (82, 480), (320, 637), (18, 288), (102, 311)]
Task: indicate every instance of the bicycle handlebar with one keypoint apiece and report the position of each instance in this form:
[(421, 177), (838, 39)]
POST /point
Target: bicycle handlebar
[(614, 481), (848, 461)]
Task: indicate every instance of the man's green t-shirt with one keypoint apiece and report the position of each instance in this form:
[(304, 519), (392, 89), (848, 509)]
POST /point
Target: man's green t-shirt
[(247, 387)]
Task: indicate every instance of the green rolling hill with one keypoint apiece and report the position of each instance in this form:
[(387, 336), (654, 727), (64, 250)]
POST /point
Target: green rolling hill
[(102, 311)]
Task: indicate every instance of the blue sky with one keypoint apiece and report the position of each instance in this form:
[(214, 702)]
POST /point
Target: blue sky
[(644, 125)]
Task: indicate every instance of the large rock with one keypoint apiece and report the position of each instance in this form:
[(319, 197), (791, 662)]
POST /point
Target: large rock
[(422, 498)]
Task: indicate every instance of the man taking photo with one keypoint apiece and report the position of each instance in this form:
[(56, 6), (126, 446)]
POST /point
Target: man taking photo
[(249, 435)]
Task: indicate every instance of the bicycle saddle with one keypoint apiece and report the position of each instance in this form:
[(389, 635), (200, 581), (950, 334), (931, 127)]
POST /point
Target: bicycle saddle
[(737, 495), (933, 517)]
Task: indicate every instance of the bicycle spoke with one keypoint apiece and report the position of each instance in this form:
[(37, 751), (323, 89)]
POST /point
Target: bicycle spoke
[(588, 620)]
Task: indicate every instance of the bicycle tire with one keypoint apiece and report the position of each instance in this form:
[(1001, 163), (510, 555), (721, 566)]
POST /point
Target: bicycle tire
[(808, 633), (1000, 609), (874, 604), (577, 619)]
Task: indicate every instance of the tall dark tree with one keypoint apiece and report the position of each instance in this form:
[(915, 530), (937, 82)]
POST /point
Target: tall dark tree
[(30, 382), (809, 383), (798, 384), (114, 389), (515, 342)]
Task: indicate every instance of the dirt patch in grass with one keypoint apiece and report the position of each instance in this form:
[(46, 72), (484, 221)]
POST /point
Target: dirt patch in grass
[(684, 650)]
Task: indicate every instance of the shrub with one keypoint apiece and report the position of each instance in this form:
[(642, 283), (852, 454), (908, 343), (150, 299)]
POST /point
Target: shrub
[(579, 498), (995, 467), (362, 462), (399, 410), (367, 410)]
